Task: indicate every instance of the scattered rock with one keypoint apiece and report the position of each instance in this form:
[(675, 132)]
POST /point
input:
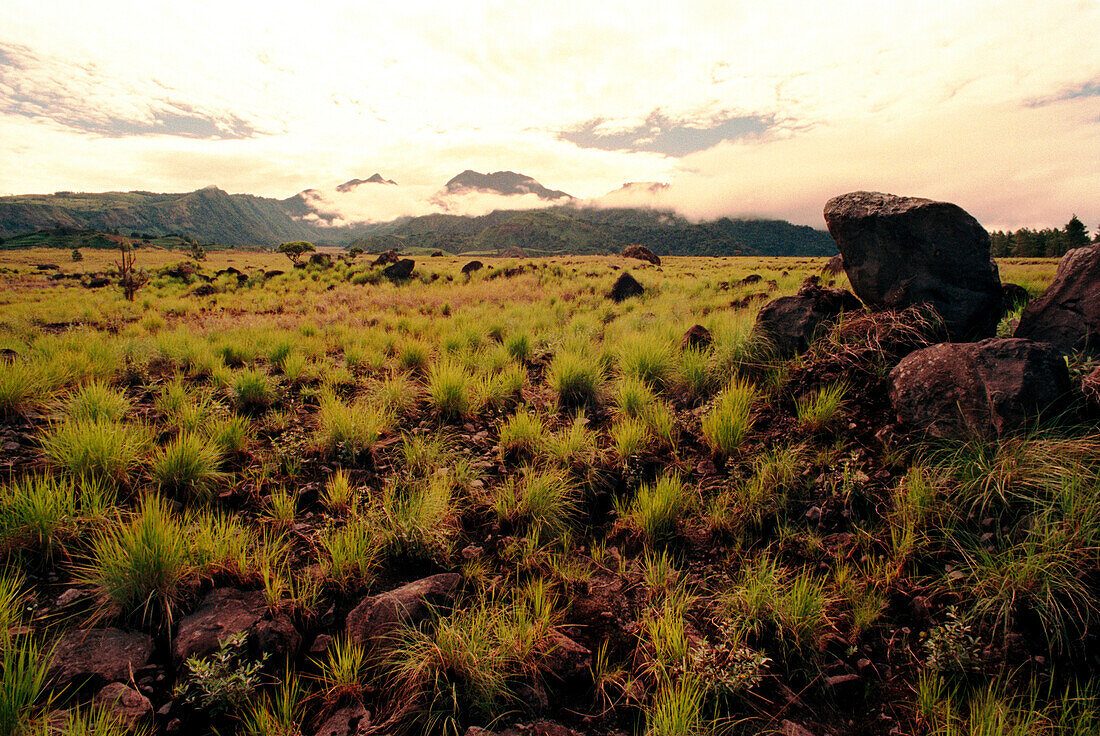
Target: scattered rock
[(438, 254), (1090, 387), (472, 266), (386, 257), (626, 287), (183, 271), (353, 720), (903, 251), (272, 274), (566, 659), (96, 282), (697, 338), (752, 278), (834, 267), (982, 389), (125, 704), (69, 597), (378, 615), (399, 271), (47, 267), (790, 728), (96, 657), (225, 612), (792, 323), (204, 290), (1067, 315), (641, 253), (845, 685)]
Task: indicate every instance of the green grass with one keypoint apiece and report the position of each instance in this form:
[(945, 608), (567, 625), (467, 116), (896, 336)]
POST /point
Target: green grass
[(99, 450), (450, 388), (730, 419), (647, 361), (351, 551), (659, 508), (45, 512), (630, 437), (21, 387), (23, 682), (96, 401), (576, 379), (349, 430), (252, 390), (522, 435), (822, 408), (141, 564), (544, 501), (188, 466)]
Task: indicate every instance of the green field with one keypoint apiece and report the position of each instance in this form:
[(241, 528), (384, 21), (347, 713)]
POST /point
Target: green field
[(647, 539)]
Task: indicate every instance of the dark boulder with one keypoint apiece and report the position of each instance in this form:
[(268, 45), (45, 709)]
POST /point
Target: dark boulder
[(385, 257), (272, 274), (977, 389), (641, 253), (46, 267), (697, 338), (96, 282), (399, 271), (752, 278), (438, 254), (472, 266), (226, 612), (184, 271), (204, 290), (903, 251), (792, 323), (1067, 315), (626, 287), (97, 657), (378, 615), (351, 720), (565, 659)]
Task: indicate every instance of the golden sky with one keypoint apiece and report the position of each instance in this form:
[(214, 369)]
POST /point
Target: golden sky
[(744, 108)]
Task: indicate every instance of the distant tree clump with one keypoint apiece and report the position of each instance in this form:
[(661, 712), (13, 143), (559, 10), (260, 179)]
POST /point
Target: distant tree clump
[(295, 249), (1046, 243), (197, 252), (355, 252), (77, 255)]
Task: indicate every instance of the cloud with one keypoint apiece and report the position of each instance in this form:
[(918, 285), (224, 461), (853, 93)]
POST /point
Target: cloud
[(378, 203), (131, 94)]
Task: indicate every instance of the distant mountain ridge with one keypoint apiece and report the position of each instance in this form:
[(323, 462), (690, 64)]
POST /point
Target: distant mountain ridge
[(244, 220)]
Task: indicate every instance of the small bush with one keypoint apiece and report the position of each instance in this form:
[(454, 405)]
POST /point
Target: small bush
[(222, 682)]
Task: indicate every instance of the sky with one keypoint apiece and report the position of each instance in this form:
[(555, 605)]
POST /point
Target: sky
[(759, 109)]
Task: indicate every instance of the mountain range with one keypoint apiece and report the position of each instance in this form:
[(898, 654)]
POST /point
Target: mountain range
[(212, 215)]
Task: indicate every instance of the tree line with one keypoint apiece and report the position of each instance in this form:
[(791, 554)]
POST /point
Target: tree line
[(1049, 242)]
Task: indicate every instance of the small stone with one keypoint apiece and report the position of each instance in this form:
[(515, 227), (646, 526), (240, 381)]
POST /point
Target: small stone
[(69, 597)]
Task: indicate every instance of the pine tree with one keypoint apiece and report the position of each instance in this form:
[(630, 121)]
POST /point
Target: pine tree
[(1077, 235)]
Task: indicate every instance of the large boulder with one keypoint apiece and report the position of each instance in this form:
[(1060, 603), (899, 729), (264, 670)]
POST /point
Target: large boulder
[(399, 271), (696, 338), (125, 704), (1067, 315), (385, 257), (978, 389), (641, 253), (791, 323), (834, 267), (378, 615), (903, 251), (625, 287), (472, 266), (226, 612), (97, 657)]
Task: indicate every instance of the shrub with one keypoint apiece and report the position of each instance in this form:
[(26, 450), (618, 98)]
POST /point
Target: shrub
[(96, 400), (96, 449), (188, 465), (730, 419), (143, 563), (658, 508), (576, 379), (223, 681)]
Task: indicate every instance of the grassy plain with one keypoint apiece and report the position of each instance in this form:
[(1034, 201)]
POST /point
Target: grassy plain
[(651, 539)]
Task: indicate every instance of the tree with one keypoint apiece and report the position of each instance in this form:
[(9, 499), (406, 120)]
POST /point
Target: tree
[(197, 252), (355, 252), (1077, 235), (130, 279), (294, 250), (77, 255)]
